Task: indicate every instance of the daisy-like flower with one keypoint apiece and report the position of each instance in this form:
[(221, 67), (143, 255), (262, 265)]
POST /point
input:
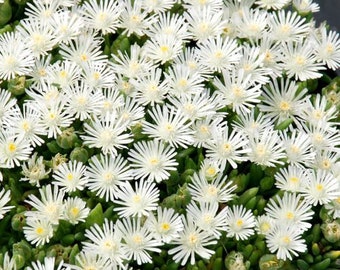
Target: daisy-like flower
[(169, 126), (181, 81), (299, 61), (39, 36), (151, 88), (209, 169), (240, 222), (281, 100), (66, 25), (70, 176), (102, 16), (291, 178), (136, 64), (264, 224), (225, 147), (16, 58), (131, 113), (85, 49), (272, 4), (5, 197), (306, 6), (34, 170), (83, 101), (75, 210), (318, 112), (192, 240), (111, 101), (291, 210), (107, 134), (324, 138), (162, 48), (63, 73), (152, 160), (42, 11), (13, 149), (158, 6), (285, 241), (26, 123), (321, 187), (238, 91), (98, 75), (49, 207), (287, 26), (218, 190), (333, 208), (165, 225), (134, 19), (252, 24), (325, 160), (54, 116), (38, 230), (6, 104), (48, 264), (138, 240), (251, 123), (298, 147), (8, 262), (171, 24), (327, 46), (139, 202), (206, 217), (106, 242), (203, 130), (219, 54), (204, 23), (89, 260), (266, 148), (106, 173), (196, 106)]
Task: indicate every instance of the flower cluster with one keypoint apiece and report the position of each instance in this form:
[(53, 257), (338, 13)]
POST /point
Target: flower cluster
[(130, 129)]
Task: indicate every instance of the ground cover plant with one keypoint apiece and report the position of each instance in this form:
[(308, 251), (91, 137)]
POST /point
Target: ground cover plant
[(168, 134)]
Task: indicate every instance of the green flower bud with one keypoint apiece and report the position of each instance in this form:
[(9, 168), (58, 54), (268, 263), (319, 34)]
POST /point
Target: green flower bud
[(5, 13), (67, 138), (19, 260), (331, 231), (18, 221), (17, 85), (53, 147), (235, 261), (270, 262), (21, 252), (79, 154)]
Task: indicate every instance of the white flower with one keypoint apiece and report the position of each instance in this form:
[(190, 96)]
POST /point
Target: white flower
[(70, 176), (290, 210), (165, 225), (106, 242), (5, 197), (139, 202), (291, 178), (75, 210), (34, 170), (106, 173), (152, 160), (285, 240), (38, 230), (137, 241), (48, 264), (90, 260), (191, 240), (240, 222), (218, 190)]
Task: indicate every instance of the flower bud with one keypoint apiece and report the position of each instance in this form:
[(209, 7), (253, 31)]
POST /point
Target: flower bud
[(270, 262), (17, 85), (67, 138), (79, 154), (234, 261), (331, 231), (18, 221)]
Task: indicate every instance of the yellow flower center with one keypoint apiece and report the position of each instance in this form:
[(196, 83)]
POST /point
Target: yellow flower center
[(165, 226), (284, 106), (39, 230), (12, 147)]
